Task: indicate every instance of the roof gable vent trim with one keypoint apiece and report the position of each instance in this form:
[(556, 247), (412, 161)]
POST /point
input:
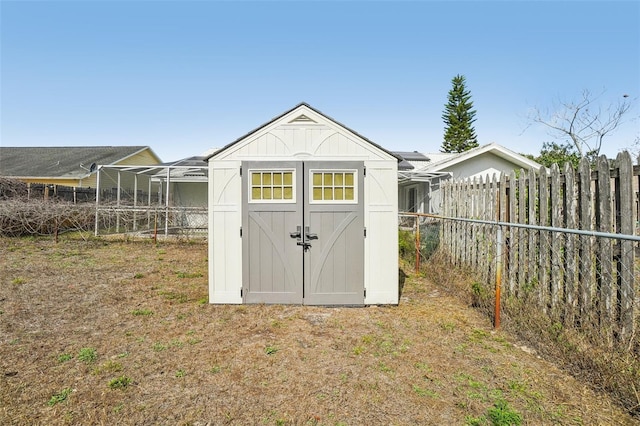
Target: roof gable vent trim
[(302, 119)]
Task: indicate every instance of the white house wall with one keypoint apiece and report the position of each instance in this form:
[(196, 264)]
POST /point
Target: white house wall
[(481, 165), (320, 141), (435, 196)]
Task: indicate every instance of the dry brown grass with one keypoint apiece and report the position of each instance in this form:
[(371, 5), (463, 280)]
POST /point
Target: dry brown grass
[(613, 368), (429, 360)]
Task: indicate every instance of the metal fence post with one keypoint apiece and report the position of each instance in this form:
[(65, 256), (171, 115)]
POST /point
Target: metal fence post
[(496, 321), (417, 218)]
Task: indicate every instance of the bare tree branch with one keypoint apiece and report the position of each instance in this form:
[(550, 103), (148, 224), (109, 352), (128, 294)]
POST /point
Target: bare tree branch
[(583, 122)]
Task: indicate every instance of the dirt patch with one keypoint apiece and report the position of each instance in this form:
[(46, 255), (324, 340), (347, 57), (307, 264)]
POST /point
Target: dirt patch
[(120, 332)]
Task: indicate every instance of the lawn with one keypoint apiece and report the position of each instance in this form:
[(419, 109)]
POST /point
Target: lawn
[(121, 332)]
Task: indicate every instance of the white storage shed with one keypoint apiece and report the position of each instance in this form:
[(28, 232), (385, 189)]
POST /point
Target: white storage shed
[(303, 210)]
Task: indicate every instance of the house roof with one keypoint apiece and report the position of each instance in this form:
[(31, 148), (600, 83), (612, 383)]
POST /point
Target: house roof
[(439, 156), (195, 161), (444, 161), (439, 164), (72, 162), (303, 104), (190, 168), (412, 155), (410, 159)]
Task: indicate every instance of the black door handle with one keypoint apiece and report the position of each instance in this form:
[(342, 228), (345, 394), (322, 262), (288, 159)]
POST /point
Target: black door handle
[(297, 234), (309, 235)]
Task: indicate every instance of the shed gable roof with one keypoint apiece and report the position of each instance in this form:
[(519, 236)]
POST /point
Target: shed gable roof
[(62, 162), (300, 114)]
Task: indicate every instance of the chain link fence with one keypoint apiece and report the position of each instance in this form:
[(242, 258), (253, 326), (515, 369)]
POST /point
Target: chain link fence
[(554, 253), (419, 237), (572, 295), (580, 279), (53, 209)]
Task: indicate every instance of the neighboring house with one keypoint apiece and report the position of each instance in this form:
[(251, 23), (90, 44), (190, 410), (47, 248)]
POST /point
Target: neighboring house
[(420, 178), (73, 166)]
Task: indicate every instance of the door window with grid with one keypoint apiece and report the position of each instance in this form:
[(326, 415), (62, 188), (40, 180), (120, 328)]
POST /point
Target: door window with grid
[(333, 186), (272, 186)]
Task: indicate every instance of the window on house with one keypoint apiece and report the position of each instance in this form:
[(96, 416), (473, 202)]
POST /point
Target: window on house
[(412, 199)]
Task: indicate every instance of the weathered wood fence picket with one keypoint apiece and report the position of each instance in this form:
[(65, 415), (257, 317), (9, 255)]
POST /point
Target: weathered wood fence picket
[(582, 279)]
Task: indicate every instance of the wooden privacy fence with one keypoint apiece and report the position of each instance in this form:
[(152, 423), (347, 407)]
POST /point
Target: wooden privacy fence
[(566, 239)]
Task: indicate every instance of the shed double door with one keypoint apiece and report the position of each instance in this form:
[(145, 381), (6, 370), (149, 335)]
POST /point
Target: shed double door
[(303, 232)]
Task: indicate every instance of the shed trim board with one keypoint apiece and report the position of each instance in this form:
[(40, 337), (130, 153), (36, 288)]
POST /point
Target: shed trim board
[(255, 253)]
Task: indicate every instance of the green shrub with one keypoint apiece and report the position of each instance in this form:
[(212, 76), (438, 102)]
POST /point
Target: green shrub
[(429, 239), (406, 245)]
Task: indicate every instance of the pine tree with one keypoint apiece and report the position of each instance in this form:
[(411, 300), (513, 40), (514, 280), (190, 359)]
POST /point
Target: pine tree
[(458, 116)]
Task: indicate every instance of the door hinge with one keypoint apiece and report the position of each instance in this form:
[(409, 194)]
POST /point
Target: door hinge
[(241, 232), (364, 171), (365, 293), (240, 171), (365, 232), (240, 292)]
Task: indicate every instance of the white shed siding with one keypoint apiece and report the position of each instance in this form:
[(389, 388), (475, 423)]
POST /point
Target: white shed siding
[(323, 140), (319, 142), (381, 222), (225, 251)]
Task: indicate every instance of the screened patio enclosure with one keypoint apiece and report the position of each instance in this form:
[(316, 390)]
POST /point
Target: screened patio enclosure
[(167, 199), (419, 192)]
